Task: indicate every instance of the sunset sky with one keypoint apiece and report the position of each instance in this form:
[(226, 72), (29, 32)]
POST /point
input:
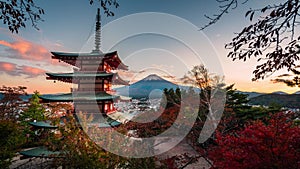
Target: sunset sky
[(151, 36)]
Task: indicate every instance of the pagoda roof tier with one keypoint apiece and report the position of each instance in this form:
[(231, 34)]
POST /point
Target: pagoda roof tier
[(70, 97), (42, 152), (111, 58), (42, 124), (75, 77)]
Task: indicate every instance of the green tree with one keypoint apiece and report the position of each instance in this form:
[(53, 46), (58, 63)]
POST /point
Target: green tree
[(236, 103), (238, 112), (256, 113), (235, 100), (11, 134), (10, 142), (35, 110)]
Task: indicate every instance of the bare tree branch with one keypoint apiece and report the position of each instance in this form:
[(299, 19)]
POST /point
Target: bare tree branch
[(229, 4)]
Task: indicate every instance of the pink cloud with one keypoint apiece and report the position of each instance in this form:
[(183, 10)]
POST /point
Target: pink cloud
[(26, 50), (5, 66), (15, 70)]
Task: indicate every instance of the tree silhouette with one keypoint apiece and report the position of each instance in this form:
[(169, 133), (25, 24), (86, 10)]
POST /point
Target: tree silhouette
[(284, 78), (272, 38), (206, 82)]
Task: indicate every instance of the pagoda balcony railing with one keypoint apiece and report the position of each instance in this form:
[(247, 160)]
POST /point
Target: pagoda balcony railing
[(74, 89)]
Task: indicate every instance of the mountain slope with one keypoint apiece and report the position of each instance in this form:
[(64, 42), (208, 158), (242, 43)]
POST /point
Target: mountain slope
[(23, 97), (151, 86), (279, 92), (251, 94), (285, 100)]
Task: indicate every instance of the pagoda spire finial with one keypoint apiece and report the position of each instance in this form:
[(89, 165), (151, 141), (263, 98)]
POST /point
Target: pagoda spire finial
[(98, 32)]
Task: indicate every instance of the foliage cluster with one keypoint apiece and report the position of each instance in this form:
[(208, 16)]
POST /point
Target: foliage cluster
[(244, 133), (274, 144), (165, 116), (11, 141), (11, 103)]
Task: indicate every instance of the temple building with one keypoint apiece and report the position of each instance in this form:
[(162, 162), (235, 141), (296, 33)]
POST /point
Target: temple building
[(94, 74)]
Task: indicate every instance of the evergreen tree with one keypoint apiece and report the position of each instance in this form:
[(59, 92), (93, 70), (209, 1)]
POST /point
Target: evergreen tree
[(35, 110), (235, 100)]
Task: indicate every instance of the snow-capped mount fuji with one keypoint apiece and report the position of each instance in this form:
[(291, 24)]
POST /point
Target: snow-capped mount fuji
[(279, 92), (151, 86)]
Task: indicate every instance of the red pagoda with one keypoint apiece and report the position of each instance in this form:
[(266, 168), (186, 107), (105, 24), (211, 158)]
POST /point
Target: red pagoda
[(94, 75)]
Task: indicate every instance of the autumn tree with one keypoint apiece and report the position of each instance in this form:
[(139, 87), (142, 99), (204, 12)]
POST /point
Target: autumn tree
[(77, 149), (11, 133), (80, 146), (211, 101), (10, 104), (272, 38), (274, 144), (200, 78), (16, 13), (165, 116)]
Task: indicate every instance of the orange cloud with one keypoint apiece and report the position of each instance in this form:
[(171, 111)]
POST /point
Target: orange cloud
[(4, 43), (26, 50), (31, 71), (7, 66)]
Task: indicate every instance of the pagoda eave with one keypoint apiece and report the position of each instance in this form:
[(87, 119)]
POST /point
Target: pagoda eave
[(66, 80), (78, 76), (79, 96), (71, 58), (75, 56)]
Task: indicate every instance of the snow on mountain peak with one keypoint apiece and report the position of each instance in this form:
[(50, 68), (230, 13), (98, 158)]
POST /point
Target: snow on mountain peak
[(279, 92), (152, 77)]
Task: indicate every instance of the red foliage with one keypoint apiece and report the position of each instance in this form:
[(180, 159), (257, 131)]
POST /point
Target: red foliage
[(164, 121), (259, 145)]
